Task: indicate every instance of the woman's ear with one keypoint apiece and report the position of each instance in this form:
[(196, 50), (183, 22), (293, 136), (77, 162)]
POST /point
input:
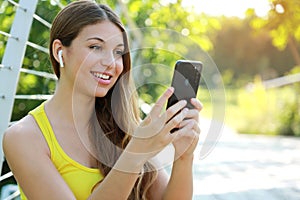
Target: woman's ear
[(57, 51)]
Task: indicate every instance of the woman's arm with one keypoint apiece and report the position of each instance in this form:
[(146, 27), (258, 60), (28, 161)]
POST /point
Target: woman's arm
[(177, 186), (180, 185), (120, 180)]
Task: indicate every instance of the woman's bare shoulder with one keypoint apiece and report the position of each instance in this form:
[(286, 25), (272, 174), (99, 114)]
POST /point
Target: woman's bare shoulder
[(24, 134), (23, 128), (28, 156)]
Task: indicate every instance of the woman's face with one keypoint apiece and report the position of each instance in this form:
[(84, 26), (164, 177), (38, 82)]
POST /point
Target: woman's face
[(94, 62)]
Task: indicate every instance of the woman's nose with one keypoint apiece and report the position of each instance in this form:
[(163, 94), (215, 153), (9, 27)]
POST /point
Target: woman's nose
[(108, 59)]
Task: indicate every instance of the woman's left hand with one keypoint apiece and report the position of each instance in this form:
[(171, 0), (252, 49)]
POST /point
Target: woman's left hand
[(187, 137)]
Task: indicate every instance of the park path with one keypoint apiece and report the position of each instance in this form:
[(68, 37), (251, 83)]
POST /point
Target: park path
[(248, 167)]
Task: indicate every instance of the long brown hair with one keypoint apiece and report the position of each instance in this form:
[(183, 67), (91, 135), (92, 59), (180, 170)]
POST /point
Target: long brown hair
[(66, 27)]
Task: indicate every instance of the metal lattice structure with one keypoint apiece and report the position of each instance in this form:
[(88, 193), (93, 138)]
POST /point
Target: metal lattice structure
[(13, 59)]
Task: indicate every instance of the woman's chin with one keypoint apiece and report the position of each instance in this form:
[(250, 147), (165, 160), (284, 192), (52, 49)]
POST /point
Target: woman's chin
[(101, 93)]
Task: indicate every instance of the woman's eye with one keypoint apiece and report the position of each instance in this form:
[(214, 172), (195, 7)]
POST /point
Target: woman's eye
[(119, 52), (95, 47)]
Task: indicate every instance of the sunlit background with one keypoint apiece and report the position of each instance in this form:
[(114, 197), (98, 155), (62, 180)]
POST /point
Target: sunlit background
[(228, 8)]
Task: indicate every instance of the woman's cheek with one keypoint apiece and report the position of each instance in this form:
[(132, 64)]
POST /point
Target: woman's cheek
[(119, 68)]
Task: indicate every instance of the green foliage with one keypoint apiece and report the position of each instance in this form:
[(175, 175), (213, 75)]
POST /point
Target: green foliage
[(7, 13), (154, 14), (257, 110), (246, 53), (166, 38), (290, 117), (282, 24), (282, 21)]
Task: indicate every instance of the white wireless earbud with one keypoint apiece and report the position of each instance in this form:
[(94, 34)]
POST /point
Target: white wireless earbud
[(61, 62)]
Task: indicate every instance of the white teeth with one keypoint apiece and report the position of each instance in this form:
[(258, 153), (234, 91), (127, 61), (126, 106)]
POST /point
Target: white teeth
[(102, 76)]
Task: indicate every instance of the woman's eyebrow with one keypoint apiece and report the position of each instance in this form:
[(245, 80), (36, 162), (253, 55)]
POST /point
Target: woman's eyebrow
[(120, 45), (101, 40), (96, 38)]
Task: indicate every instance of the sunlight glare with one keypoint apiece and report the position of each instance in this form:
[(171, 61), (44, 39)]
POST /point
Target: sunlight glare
[(279, 8), (228, 8)]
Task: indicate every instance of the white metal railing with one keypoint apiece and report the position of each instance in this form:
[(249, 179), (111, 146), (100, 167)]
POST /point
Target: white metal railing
[(18, 5), (39, 73), (7, 35), (5, 176), (38, 47), (13, 195), (282, 81), (11, 65), (38, 18), (34, 96), (12, 60)]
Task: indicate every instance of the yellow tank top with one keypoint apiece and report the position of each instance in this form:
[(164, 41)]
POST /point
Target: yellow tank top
[(79, 178)]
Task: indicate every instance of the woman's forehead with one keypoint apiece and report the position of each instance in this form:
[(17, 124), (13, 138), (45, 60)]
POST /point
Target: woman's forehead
[(106, 31)]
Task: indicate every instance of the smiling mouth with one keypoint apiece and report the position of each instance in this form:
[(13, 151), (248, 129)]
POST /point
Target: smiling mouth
[(101, 76)]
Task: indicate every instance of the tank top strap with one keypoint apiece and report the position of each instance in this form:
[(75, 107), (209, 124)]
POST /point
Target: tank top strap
[(41, 118)]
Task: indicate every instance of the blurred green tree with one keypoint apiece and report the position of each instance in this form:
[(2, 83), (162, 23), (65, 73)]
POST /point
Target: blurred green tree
[(240, 51), (166, 37), (282, 23)]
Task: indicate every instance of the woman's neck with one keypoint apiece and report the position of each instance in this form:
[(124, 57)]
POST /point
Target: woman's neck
[(69, 107)]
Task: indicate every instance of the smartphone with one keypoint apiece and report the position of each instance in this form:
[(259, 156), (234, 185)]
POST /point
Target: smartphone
[(185, 80)]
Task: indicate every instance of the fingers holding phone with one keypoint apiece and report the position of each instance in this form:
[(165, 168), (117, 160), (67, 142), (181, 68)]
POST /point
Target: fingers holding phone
[(152, 135), (186, 79)]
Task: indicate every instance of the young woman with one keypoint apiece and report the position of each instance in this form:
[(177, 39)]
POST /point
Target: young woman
[(87, 141)]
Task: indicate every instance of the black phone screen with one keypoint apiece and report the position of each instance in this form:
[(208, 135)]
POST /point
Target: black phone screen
[(186, 79)]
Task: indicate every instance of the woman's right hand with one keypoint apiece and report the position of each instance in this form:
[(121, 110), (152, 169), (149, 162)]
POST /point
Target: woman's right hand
[(153, 134)]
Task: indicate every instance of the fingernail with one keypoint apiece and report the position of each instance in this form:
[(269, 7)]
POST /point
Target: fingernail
[(184, 111), (193, 99), (171, 89)]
